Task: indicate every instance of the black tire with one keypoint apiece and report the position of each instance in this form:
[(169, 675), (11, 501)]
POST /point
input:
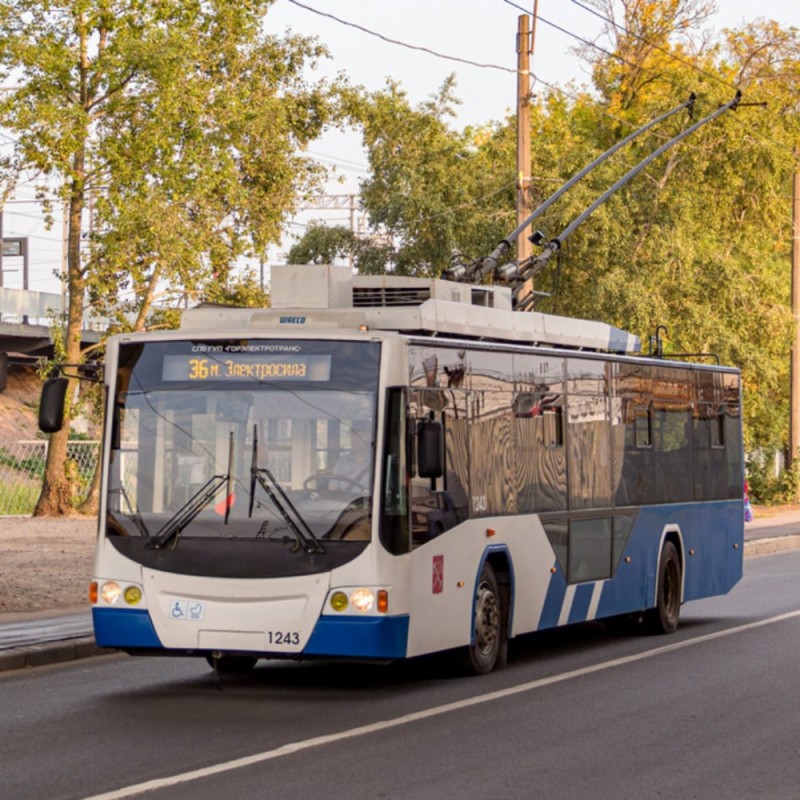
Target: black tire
[(488, 649), (232, 665), (665, 616)]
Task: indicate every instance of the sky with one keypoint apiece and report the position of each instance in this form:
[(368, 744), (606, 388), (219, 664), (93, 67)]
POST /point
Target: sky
[(481, 31)]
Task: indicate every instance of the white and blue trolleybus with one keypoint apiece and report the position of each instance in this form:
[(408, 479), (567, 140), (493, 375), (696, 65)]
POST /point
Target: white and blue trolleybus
[(384, 467)]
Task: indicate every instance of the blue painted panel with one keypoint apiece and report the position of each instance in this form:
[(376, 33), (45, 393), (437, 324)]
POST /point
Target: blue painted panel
[(115, 627), (359, 637), (710, 529), (553, 600)]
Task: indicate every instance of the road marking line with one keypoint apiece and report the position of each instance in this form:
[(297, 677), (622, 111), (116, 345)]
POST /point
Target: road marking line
[(375, 727)]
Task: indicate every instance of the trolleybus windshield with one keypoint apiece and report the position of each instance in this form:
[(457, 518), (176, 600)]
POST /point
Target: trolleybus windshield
[(216, 443)]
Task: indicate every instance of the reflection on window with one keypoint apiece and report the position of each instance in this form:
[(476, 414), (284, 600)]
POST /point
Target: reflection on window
[(557, 532), (553, 419), (643, 427), (718, 430)]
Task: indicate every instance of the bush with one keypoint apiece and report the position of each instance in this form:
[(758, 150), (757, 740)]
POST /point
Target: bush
[(768, 489)]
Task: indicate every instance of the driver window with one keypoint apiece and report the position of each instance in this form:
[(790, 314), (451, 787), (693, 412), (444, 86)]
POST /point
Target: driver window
[(438, 392), (352, 467)]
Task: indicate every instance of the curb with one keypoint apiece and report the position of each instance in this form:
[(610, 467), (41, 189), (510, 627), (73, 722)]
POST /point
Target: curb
[(774, 544), (40, 655)]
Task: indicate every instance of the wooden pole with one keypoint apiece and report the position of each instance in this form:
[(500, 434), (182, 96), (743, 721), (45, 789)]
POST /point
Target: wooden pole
[(794, 400), (524, 209)]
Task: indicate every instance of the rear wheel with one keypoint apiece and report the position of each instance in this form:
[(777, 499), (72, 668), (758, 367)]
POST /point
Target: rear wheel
[(664, 617), (489, 646)]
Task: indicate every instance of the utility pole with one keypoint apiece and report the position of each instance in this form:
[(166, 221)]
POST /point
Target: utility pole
[(794, 400), (524, 51)]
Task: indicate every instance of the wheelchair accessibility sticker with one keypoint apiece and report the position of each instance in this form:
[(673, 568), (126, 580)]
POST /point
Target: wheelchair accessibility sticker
[(189, 610)]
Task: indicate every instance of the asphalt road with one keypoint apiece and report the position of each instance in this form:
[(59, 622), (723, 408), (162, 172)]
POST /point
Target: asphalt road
[(710, 712)]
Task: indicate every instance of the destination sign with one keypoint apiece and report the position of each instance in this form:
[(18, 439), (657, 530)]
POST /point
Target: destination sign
[(257, 367)]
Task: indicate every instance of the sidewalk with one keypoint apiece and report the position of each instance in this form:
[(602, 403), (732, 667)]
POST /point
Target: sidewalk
[(38, 638)]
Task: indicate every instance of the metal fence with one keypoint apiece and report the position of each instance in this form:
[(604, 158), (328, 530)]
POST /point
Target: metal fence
[(22, 470)]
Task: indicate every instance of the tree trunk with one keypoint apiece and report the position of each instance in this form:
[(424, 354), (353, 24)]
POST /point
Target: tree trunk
[(91, 502), (56, 496)]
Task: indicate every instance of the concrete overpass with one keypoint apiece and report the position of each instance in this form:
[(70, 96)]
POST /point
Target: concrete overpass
[(25, 325)]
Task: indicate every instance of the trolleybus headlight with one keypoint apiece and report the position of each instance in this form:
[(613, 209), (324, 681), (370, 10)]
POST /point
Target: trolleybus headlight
[(338, 601), (363, 599), (110, 592), (133, 594)]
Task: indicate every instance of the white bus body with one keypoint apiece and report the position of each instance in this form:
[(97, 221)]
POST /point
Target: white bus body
[(521, 472)]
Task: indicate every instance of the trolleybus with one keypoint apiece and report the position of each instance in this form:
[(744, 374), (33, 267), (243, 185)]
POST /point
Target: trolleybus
[(385, 467)]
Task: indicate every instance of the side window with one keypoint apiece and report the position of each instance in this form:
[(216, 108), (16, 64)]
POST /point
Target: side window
[(717, 428), (395, 533), (538, 428), (437, 505), (590, 546), (553, 426), (632, 434), (643, 427)]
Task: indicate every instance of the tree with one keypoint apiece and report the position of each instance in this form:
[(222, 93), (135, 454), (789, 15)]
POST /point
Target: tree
[(424, 194), (182, 120), (323, 244), (700, 241)]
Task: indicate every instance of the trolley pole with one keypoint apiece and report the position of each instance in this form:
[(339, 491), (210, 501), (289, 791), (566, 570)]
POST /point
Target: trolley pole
[(794, 400)]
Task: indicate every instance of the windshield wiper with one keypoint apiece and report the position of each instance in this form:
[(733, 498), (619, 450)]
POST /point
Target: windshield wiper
[(196, 503), (186, 513), (134, 515), (306, 539)]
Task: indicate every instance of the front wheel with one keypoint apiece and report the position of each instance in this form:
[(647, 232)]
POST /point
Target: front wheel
[(231, 665), (664, 617), (489, 646)]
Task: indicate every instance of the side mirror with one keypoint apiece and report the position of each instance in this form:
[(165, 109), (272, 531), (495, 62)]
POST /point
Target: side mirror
[(430, 449), (51, 406)]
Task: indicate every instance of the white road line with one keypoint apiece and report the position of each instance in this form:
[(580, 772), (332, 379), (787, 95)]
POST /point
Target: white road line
[(375, 727)]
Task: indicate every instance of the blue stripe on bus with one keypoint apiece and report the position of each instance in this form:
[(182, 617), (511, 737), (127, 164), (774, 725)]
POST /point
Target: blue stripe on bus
[(359, 637), (554, 600), (580, 603), (114, 627)]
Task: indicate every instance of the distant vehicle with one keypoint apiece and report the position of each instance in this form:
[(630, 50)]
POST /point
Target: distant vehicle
[(524, 472)]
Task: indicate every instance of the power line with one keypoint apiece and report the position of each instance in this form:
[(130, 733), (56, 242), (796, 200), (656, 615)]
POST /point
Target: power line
[(587, 42), (357, 164), (403, 44), (655, 46)]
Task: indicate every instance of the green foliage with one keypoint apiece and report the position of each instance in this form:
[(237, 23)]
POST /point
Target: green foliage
[(322, 244), (18, 500), (426, 195), (699, 241), (182, 122), (769, 489), (243, 290)]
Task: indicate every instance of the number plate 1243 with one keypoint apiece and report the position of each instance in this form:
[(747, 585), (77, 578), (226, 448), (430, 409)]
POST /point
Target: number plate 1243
[(283, 638)]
